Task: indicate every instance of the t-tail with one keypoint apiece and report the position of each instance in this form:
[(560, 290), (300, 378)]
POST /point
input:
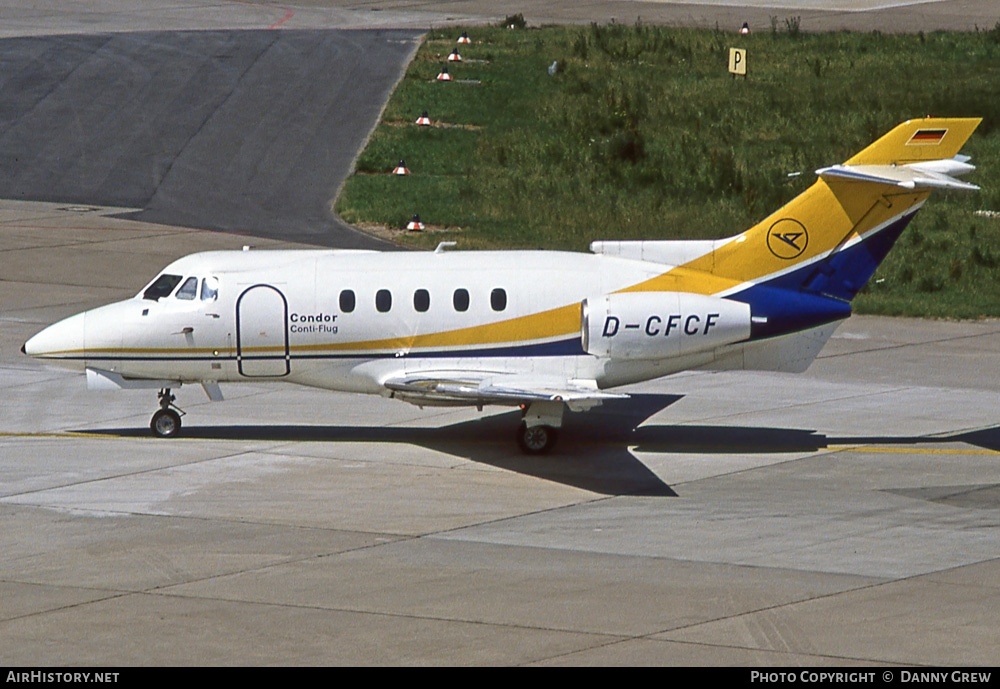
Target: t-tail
[(803, 264), (808, 260)]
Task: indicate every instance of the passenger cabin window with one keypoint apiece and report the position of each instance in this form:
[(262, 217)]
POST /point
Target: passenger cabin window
[(421, 300), (498, 299), (383, 300), (209, 289), (461, 299), (347, 301), (189, 290), (161, 287)]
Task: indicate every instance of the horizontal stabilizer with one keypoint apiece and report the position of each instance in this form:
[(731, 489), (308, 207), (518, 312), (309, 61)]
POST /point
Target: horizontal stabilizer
[(932, 174)]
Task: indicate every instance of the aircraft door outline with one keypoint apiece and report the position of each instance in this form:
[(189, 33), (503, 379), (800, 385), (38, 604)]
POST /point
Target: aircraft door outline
[(262, 313)]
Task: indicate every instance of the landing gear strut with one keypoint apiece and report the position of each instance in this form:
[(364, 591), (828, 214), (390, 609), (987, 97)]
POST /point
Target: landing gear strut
[(166, 422), (538, 432)]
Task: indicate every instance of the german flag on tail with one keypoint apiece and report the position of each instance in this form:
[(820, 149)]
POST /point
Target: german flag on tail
[(927, 137)]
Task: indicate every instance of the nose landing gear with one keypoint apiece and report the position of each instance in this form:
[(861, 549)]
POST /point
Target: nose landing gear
[(166, 422)]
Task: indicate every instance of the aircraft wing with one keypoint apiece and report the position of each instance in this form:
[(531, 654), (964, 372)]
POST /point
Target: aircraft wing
[(475, 388)]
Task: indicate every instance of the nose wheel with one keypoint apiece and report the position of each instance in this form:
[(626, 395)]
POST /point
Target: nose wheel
[(166, 422)]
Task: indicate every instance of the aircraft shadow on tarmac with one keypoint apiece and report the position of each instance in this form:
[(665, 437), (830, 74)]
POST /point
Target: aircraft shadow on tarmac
[(593, 449), (592, 452)]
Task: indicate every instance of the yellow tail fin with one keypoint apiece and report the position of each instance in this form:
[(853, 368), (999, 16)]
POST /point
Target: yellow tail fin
[(829, 240), (914, 141), (861, 206)]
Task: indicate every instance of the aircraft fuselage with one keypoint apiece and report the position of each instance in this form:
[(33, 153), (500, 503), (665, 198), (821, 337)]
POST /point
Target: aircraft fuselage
[(348, 320)]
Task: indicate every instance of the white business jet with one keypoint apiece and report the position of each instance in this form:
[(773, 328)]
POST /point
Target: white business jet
[(542, 330)]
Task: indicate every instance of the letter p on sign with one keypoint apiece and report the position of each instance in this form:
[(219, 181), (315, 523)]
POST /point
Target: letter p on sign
[(738, 61)]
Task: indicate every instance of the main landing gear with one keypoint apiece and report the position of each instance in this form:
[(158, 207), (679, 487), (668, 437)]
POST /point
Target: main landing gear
[(539, 428), (536, 440), (166, 422)]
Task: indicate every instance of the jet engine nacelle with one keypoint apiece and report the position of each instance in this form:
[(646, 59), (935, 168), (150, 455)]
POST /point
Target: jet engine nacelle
[(660, 325)]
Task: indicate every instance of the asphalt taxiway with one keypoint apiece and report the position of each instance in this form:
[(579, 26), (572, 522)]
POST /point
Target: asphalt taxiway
[(849, 515), (251, 131)]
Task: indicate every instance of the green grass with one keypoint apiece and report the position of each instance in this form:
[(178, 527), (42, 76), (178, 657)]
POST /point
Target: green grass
[(642, 134)]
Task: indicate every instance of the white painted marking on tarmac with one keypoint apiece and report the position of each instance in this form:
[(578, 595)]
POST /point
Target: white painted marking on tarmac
[(824, 5), (888, 449)]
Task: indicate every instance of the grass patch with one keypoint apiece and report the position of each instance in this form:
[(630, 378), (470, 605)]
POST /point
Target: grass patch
[(641, 133)]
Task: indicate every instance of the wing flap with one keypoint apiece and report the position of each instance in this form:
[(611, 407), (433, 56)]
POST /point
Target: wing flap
[(463, 388)]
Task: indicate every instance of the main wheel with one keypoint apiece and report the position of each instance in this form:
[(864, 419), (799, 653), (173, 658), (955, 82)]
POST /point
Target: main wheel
[(536, 440), (165, 423)]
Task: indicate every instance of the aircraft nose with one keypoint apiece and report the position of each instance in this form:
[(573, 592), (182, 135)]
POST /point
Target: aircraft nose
[(61, 340)]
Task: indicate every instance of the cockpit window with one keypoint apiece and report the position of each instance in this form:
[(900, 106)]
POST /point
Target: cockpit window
[(161, 287), (209, 289), (189, 290)]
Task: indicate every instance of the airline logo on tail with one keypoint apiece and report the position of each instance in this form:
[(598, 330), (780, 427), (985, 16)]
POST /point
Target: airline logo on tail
[(787, 238)]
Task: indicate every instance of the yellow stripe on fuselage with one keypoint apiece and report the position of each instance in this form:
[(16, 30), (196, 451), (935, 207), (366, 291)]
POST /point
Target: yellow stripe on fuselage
[(546, 325)]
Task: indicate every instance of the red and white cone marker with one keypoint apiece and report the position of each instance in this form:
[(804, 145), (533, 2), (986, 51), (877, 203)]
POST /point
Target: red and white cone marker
[(424, 120), (454, 57), (400, 169), (745, 30), (415, 223), (464, 38), (444, 76)]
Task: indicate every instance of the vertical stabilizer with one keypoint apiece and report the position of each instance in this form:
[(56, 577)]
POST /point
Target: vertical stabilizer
[(829, 240), (914, 141)]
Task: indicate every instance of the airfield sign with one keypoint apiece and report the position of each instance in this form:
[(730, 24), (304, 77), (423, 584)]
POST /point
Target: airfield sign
[(738, 61)]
